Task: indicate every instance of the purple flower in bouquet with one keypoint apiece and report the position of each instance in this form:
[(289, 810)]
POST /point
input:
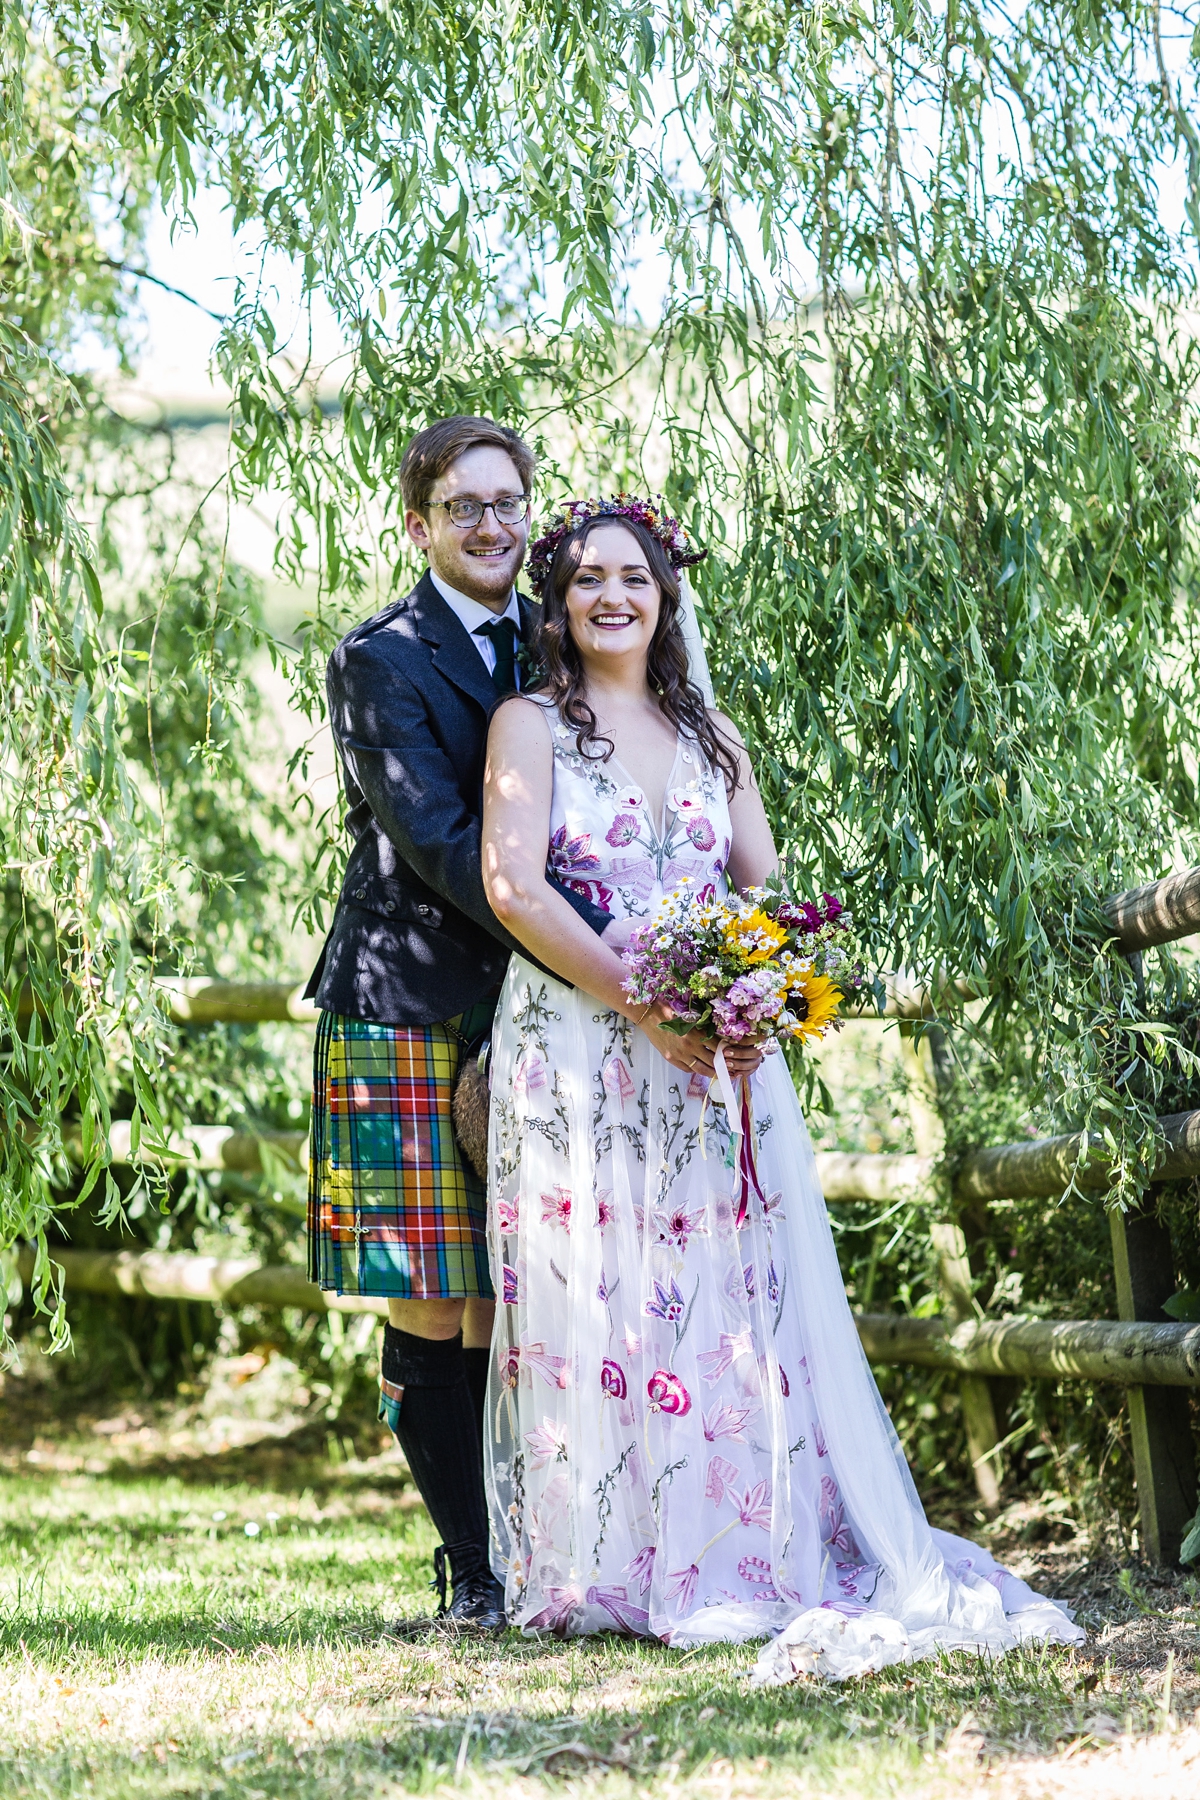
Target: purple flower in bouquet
[(799, 916), (751, 999), (659, 964), (833, 907)]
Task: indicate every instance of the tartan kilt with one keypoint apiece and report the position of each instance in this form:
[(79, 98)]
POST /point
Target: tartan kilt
[(394, 1209)]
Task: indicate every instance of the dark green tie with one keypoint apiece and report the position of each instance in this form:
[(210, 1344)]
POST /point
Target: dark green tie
[(503, 634)]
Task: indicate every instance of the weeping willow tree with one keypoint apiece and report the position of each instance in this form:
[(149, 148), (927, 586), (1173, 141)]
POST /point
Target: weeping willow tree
[(889, 296)]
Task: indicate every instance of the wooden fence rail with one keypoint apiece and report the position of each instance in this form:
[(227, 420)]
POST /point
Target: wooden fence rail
[(182, 1275), (1082, 1350), (1041, 1167), (1161, 913), (1130, 1354), (844, 1175)]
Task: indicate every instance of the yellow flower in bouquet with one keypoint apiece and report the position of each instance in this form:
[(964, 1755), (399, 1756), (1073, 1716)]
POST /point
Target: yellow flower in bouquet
[(813, 1001), (754, 937)]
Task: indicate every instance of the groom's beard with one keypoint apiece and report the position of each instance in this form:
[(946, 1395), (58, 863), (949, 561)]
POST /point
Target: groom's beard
[(487, 580)]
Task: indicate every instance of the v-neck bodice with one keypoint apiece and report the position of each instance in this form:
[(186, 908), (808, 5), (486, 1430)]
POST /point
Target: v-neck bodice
[(605, 841), (620, 772)]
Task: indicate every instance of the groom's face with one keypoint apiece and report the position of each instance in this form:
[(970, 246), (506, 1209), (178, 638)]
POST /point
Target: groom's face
[(483, 560)]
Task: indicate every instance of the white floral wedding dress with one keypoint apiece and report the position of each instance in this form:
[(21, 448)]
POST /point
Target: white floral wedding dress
[(683, 1436)]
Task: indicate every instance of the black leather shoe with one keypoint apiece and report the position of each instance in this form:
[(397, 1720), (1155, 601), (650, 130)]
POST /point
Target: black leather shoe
[(478, 1603)]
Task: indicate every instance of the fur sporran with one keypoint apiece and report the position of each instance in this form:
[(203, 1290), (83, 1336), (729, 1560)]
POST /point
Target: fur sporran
[(471, 1105)]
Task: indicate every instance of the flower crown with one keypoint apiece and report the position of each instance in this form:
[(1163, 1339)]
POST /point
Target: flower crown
[(651, 513)]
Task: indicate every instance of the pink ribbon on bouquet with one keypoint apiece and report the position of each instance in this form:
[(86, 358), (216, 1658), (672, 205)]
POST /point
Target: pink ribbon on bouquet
[(741, 1126)]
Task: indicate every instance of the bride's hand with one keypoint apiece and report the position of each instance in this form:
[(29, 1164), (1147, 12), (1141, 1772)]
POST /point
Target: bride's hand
[(741, 1059), (693, 1053)]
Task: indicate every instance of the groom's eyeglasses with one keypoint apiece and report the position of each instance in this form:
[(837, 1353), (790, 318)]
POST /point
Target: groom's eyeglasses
[(509, 509)]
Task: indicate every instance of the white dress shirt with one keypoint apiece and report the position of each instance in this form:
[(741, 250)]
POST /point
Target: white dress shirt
[(473, 615)]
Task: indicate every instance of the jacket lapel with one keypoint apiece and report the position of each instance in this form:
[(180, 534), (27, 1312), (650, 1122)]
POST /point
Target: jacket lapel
[(454, 655)]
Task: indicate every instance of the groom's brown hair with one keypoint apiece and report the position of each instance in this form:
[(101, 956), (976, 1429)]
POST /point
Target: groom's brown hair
[(432, 451)]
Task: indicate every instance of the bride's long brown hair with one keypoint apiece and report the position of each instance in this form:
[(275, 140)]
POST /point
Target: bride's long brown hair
[(679, 699)]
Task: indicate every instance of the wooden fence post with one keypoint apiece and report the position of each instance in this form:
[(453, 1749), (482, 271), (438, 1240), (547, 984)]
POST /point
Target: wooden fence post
[(954, 1269), (1164, 1457)]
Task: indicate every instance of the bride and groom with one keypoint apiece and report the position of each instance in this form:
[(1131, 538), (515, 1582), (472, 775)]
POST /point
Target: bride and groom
[(624, 1410)]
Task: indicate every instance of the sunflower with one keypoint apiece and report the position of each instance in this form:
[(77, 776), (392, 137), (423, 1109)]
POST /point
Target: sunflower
[(756, 937), (814, 999)]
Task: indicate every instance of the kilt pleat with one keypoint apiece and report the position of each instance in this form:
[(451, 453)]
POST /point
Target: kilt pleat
[(394, 1209)]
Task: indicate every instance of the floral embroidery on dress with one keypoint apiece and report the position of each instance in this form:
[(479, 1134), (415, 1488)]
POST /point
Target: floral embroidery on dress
[(622, 831)]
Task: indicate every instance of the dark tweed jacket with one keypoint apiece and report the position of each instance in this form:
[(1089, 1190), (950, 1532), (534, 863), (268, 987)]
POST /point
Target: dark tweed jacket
[(413, 939)]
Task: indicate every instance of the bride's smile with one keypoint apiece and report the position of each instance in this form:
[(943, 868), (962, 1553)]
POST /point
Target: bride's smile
[(612, 600)]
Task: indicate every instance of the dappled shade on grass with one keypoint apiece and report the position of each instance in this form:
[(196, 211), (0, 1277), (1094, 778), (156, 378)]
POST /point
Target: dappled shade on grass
[(151, 1646)]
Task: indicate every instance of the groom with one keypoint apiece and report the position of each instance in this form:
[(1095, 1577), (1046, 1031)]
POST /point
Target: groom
[(412, 967)]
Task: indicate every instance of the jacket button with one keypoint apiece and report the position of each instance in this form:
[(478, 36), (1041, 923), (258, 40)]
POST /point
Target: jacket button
[(423, 911), (389, 906), (360, 893)]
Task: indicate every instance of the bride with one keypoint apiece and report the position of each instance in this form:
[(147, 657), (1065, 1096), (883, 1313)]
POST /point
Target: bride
[(683, 1438)]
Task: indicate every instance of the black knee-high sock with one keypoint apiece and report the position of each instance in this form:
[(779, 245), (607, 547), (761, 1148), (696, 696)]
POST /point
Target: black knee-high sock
[(442, 1443), (477, 1377)]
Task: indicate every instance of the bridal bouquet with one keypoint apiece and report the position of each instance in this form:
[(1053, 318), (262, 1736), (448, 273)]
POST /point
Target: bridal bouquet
[(761, 965)]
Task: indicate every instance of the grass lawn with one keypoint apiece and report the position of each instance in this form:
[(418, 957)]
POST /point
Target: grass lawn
[(216, 1627)]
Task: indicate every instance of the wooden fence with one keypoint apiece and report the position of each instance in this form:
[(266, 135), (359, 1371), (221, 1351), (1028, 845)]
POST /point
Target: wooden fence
[(1155, 1359)]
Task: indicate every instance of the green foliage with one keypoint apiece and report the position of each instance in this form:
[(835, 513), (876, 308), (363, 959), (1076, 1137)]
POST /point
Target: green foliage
[(902, 344), (135, 838), (61, 777)]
